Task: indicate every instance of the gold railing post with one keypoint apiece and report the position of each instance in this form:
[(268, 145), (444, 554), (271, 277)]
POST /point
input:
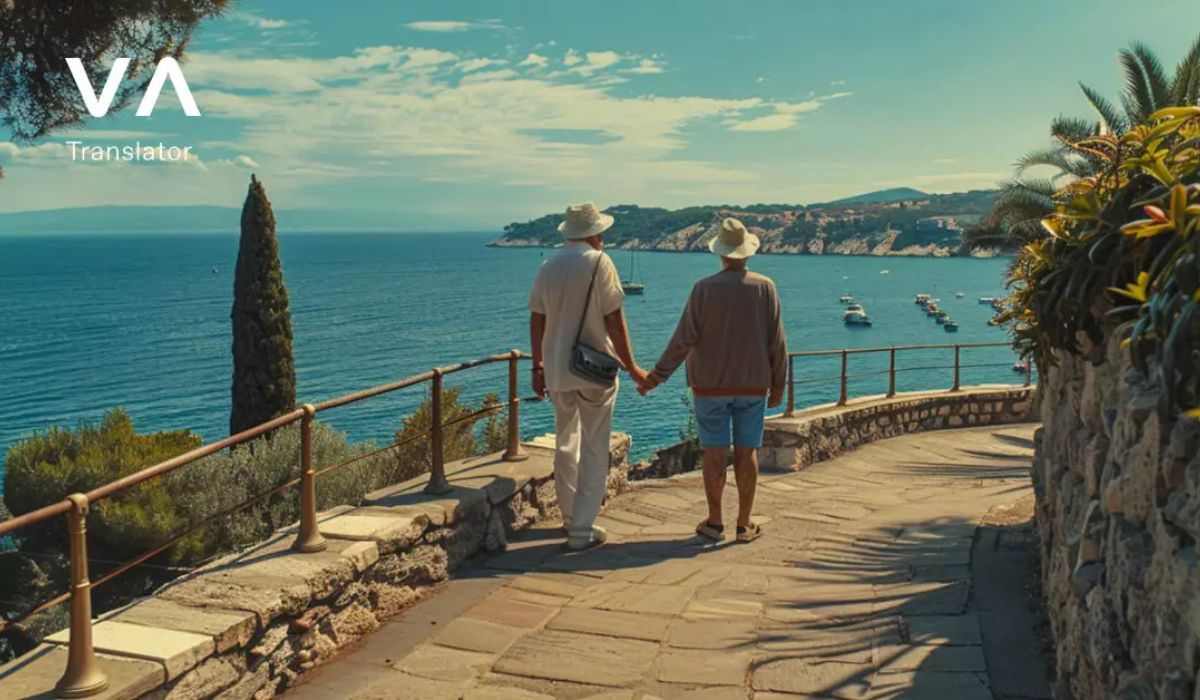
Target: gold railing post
[(955, 387), (842, 394), (791, 397), (83, 676), (891, 372), (437, 467), (514, 453), (309, 539)]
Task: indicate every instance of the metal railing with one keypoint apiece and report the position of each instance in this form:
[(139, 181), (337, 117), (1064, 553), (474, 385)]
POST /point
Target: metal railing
[(844, 376), (83, 676)]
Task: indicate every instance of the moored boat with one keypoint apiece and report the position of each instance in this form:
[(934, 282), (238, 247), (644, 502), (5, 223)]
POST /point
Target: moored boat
[(922, 299), (846, 298), (856, 316), (631, 285), (987, 300), (950, 326)]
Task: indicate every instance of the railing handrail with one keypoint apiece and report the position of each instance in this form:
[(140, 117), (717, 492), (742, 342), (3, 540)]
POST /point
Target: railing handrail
[(844, 375), (889, 348), (127, 482)]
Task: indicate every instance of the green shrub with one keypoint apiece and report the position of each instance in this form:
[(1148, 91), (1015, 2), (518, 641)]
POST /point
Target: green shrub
[(44, 469)]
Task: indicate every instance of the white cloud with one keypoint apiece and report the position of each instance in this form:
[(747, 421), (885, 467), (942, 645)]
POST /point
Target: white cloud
[(572, 58), (415, 113), (836, 83), (785, 117), (646, 66), (443, 26), (474, 64), (260, 22), (771, 122), (534, 60)]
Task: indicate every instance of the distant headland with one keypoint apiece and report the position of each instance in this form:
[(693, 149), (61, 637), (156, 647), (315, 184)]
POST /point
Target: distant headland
[(900, 221)]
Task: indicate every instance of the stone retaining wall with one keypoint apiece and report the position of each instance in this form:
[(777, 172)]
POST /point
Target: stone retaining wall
[(820, 433), (1118, 494), (248, 625)]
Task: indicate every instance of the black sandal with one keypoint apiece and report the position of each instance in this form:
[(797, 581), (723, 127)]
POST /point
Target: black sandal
[(715, 533), (749, 533)]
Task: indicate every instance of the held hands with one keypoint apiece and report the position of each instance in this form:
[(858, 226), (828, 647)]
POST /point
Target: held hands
[(539, 382), (644, 381)]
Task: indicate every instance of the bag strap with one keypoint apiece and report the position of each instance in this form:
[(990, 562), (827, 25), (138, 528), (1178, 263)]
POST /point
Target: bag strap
[(588, 301)]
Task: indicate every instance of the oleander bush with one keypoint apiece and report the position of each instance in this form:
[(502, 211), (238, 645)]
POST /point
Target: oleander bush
[(1122, 246)]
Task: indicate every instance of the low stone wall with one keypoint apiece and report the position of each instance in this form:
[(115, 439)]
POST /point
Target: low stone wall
[(1118, 492), (682, 457), (248, 625), (820, 433)]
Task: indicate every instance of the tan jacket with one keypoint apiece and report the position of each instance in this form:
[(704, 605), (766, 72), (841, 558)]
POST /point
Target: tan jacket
[(731, 334)]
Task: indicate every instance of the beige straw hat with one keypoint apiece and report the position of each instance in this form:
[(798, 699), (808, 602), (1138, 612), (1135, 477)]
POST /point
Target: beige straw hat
[(734, 241), (584, 221)]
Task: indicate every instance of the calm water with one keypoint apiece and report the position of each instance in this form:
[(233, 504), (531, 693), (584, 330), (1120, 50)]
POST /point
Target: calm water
[(92, 322)]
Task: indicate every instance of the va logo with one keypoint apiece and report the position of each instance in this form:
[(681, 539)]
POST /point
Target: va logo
[(167, 69)]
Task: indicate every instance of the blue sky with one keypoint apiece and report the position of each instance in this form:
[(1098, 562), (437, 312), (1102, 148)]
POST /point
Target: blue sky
[(457, 114)]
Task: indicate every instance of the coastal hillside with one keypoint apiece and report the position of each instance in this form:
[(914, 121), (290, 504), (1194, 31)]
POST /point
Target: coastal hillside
[(890, 222)]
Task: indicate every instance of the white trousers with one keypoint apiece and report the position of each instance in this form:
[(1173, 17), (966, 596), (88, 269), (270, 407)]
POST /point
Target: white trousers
[(583, 429)]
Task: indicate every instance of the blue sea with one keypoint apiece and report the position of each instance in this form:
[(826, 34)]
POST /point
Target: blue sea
[(91, 322)]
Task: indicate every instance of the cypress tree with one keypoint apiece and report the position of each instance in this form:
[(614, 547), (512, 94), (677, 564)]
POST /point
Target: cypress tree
[(264, 375)]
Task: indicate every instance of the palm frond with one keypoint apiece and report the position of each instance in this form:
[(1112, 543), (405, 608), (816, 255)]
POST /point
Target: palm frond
[(1112, 118), (1138, 95), (1156, 77), (988, 237), (1185, 86), (1066, 161), (1072, 129)]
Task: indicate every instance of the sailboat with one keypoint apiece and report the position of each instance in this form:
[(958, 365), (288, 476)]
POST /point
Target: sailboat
[(630, 285)]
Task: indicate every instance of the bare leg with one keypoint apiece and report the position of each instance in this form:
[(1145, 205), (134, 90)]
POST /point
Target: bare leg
[(716, 460), (745, 473)]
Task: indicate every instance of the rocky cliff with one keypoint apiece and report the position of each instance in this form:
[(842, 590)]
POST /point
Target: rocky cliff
[(920, 225), (1118, 491)]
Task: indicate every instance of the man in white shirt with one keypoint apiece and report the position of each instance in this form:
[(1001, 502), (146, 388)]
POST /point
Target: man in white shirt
[(559, 311)]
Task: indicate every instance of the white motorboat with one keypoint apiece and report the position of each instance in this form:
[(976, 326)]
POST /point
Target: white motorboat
[(856, 316)]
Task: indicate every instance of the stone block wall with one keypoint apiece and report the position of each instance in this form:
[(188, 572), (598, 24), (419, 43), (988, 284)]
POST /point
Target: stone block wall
[(1118, 493), (823, 432)]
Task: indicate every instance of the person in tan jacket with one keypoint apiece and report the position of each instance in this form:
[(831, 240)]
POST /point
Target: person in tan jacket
[(731, 335)]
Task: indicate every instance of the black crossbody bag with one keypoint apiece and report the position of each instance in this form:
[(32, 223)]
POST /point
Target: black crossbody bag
[(588, 362)]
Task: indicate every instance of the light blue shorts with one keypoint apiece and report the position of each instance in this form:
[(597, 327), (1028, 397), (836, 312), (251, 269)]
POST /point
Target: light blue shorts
[(725, 420)]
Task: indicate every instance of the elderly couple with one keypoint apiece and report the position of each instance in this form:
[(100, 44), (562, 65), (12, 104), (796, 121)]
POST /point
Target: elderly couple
[(730, 334)]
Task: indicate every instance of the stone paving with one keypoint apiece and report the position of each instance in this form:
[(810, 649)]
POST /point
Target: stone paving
[(858, 589)]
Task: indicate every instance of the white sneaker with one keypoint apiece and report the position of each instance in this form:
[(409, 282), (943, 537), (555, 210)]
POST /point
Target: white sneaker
[(597, 537)]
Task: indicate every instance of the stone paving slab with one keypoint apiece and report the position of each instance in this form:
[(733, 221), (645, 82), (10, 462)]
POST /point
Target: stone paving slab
[(228, 628), (580, 658), (944, 630), (610, 623), (857, 590), (798, 675), (694, 667), (470, 634), (35, 674), (175, 651)]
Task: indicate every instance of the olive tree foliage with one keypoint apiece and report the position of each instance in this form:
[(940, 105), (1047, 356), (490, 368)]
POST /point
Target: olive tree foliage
[(37, 92)]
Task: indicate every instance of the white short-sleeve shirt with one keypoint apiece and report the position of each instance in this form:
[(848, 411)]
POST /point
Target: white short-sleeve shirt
[(559, 293)]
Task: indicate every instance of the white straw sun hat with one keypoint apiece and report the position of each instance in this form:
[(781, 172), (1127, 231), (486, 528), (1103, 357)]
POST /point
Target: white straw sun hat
[(734, 241), (584, 221)]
